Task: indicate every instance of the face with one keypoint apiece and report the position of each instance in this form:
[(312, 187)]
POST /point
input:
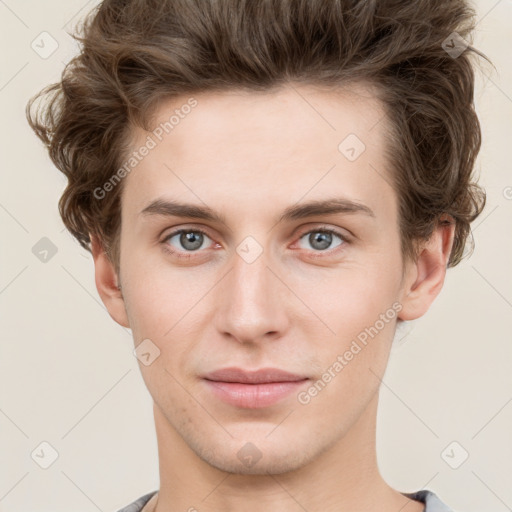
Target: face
[(264, 281)]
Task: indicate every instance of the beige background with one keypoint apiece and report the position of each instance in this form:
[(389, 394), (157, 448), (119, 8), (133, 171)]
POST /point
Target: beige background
[(68, 376)]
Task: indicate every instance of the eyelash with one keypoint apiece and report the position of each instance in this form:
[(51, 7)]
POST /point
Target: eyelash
[(179, 254)]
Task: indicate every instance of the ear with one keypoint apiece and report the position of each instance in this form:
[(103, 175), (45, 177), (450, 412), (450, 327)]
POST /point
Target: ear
[(425, 277), (107, 283)]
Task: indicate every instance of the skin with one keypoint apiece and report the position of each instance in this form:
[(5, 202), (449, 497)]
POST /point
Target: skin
[(249, 156)]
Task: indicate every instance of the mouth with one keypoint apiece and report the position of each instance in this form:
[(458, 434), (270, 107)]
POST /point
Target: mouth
[(253, 389)]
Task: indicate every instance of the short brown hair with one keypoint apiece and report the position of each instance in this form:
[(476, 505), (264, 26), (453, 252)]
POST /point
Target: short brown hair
[(137, 52)]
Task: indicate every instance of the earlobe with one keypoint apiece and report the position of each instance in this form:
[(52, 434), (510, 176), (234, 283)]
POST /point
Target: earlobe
[(107, 283), (425, 277)]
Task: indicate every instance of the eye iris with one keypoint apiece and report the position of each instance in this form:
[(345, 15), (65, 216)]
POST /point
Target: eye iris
[(325, 240), (191, 236)]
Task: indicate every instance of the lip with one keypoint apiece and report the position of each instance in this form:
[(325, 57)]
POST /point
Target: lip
[(253, 389), (261, 376)]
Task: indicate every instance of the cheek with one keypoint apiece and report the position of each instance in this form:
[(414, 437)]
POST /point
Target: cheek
[(164, 306), (155, 295), (146, 312), (360, 307), (352, 298), (355, 359)]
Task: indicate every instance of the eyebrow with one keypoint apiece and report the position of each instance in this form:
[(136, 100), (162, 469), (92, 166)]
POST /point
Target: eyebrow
[(172, 208)]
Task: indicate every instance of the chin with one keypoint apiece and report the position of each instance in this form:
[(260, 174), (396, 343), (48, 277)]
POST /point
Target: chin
[(256, 457)]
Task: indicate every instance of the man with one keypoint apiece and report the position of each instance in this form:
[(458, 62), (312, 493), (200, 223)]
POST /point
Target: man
[(268, 190)]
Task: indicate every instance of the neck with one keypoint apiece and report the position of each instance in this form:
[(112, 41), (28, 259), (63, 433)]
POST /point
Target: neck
[(343, 477)]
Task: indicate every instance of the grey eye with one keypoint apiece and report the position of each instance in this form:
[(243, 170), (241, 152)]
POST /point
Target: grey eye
[(321, 240), (189, 240)]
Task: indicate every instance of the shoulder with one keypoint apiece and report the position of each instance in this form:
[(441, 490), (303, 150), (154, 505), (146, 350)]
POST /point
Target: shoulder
[(138, 504), (432, 502)]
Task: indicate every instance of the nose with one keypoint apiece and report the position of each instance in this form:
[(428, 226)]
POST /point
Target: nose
[(252, 301)]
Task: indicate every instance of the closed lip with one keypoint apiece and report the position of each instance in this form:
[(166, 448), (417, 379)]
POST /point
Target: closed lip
[(260, 376)]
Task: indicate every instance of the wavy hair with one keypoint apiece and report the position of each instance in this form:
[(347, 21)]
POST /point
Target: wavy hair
[(134, 53)]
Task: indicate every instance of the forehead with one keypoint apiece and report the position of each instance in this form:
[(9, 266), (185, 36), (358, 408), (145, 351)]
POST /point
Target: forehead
[(274, 147)]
